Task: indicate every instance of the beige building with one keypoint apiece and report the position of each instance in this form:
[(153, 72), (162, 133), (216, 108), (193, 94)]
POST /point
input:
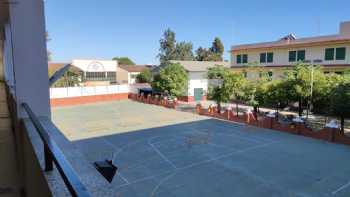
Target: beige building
[(126, 74), (332, 52)]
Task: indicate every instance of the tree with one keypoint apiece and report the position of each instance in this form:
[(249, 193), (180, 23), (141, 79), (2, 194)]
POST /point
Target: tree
[(224, 84), (215, 53), (48, 39), (71, 78), (340, 102), (202, 54), (304, 81), (167, 49), (172, 79), (144, 77), (123, 60), (183, 51), (217, 50)]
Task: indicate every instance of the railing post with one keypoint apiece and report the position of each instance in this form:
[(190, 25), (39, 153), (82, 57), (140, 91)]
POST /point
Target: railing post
[(48, 159)]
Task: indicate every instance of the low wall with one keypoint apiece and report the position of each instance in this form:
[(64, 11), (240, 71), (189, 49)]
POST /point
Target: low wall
[(79, 100), (327, 134), (84, 95), (153, 100)]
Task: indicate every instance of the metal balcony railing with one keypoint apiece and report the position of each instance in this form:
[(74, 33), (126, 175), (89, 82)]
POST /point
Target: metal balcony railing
[(54, 155)]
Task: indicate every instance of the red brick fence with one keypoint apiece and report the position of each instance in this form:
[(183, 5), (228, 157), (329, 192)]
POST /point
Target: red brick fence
[(328, 134), (153, 100)]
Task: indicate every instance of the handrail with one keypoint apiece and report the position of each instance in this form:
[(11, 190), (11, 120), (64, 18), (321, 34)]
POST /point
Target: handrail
[(53, 154)]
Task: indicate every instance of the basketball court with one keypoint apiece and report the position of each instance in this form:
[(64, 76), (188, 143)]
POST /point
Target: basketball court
[(163, 152)]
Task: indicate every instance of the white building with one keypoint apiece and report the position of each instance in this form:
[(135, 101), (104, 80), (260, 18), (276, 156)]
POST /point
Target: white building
[(97, 72), (197, 81)]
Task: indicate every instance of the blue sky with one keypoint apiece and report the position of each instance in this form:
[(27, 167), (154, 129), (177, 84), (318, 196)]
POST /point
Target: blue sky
[(103, 29)]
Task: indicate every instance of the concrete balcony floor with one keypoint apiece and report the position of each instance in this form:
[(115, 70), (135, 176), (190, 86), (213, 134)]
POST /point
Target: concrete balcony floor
[(9, 175)]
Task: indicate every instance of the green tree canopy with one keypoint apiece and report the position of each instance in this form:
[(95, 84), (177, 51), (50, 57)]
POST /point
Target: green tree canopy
[(183, 51), (340, 102), (227, 85), (214, 53), (172, 78), (124, 60), (171, 50), (144, 77)]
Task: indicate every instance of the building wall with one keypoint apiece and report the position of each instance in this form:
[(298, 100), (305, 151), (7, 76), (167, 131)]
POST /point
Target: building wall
[(122, 76), (132, 77), (197, 80), (281, 56), (96, 65)]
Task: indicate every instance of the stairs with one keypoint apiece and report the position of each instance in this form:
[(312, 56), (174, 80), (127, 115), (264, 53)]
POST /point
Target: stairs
[(9, 178)]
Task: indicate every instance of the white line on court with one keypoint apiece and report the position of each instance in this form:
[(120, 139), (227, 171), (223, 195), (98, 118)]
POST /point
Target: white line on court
[(201, 162), (341, 188), (161, 182), (162, 156), (122, 177)]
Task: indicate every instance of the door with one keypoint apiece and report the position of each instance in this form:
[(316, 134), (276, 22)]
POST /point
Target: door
[(198, 93)]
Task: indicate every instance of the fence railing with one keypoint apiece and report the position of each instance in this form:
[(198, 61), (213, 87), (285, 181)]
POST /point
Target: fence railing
[(54, 155)]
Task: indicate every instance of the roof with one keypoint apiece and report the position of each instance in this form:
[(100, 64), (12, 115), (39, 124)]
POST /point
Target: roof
[(53, 67), (199, 66), (290, 40), (134, 68), (290, 66)]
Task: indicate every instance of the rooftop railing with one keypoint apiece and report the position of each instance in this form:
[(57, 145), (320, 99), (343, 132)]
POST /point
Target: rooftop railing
[(54, 155)]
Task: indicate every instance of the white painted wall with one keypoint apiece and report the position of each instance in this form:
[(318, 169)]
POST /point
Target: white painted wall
[(281, 56), (197, 80), (94, 90), (25, 56), (132, 80)]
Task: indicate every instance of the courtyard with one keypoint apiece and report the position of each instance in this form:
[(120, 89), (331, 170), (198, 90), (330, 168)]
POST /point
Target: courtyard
[(164, 152)]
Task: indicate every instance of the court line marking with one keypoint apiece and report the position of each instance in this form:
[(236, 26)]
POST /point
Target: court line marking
[(239, 133), (161, 182), (341, 188), (122, 177), (161, 155), (239, 136), (199, 163)]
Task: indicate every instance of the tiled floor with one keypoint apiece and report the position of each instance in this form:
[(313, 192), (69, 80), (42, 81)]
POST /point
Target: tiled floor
[(8, 166)]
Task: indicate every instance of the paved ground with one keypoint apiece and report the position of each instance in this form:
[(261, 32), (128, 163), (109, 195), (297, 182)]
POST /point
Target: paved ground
[(163, 152)]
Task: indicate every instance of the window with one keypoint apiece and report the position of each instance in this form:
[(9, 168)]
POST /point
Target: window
[(329, 54), (245, 59), (262, 57), (266, 57), (239, 59), (111, 76), (269, 57), (301, 55), (340, 53), (339, 73), (242, 58), (292, 56), (95, 76)]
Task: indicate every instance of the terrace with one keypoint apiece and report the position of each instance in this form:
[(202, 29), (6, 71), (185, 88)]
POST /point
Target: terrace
[(158, 151)]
